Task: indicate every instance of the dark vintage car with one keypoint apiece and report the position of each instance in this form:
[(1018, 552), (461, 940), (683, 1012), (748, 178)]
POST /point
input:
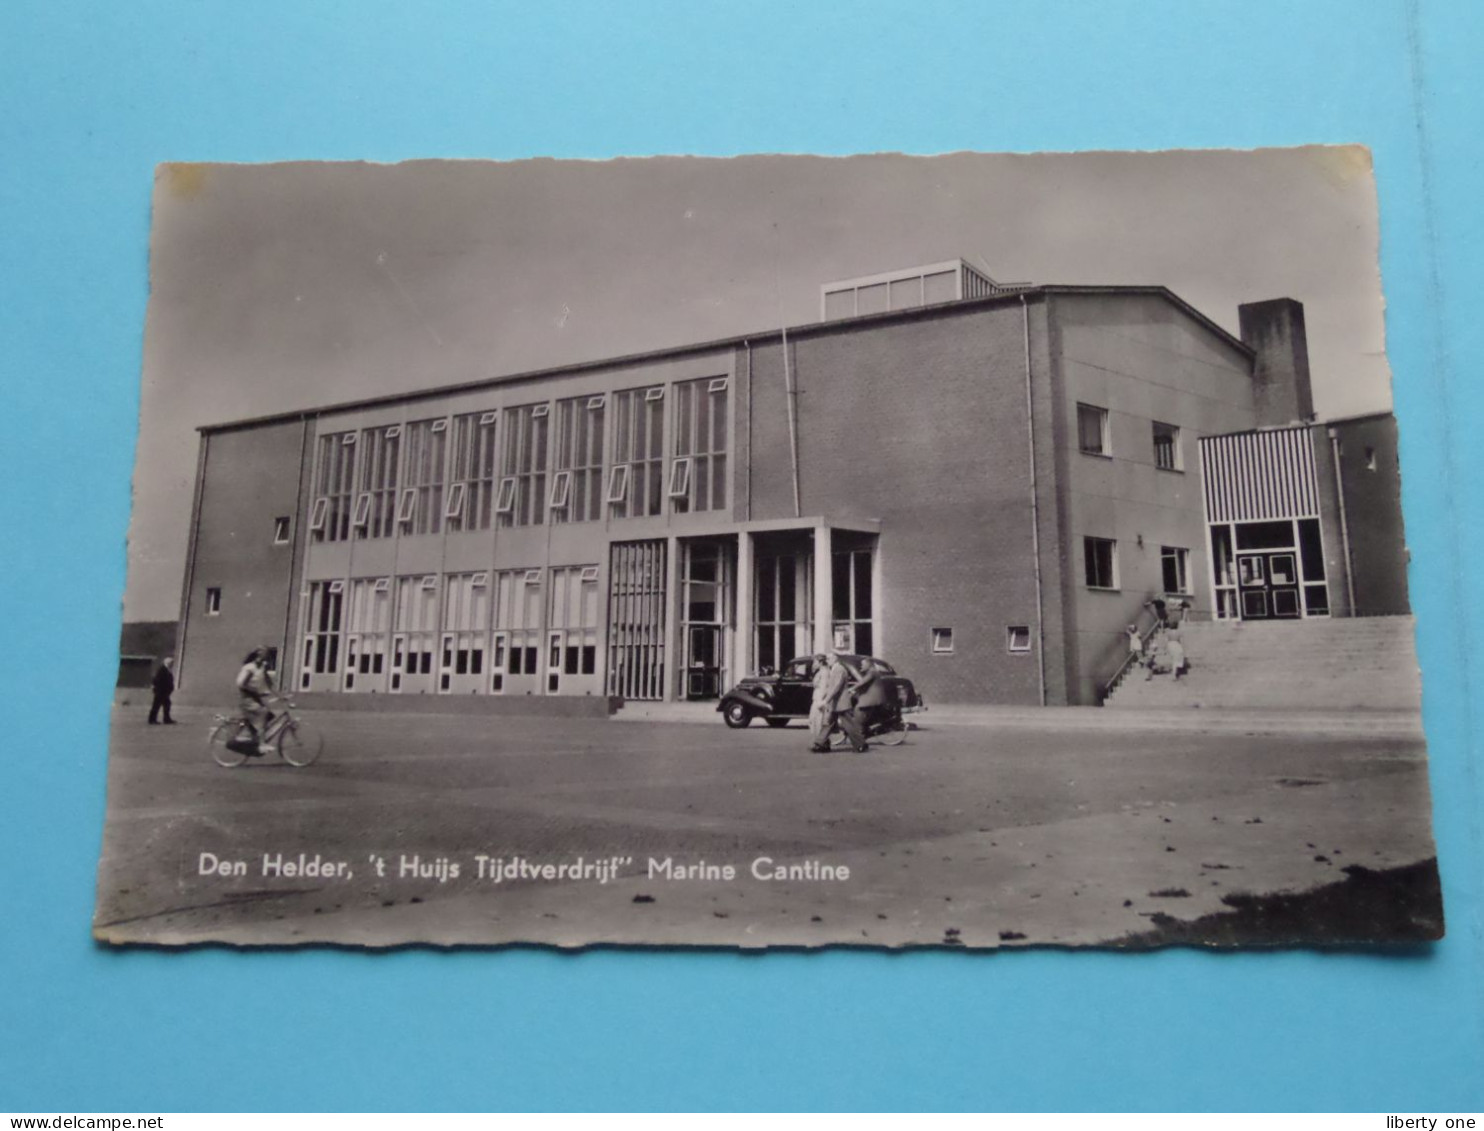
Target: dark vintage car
[(780, 697)]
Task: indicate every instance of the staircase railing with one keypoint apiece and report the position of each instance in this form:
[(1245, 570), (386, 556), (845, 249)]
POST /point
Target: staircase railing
[(1130, 657)]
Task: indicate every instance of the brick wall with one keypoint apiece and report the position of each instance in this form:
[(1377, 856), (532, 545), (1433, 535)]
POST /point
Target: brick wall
[(1371, 475), (251, 478), (919, 424)]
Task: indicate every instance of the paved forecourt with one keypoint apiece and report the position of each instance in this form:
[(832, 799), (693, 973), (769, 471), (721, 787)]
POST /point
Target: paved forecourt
[(572, 831)]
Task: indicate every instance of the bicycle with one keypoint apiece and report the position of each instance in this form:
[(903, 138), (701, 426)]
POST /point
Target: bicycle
[(883, 724), (231, 741)]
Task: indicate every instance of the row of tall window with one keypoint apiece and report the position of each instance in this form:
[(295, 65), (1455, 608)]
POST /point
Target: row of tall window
[(501, 631), (1094, 438), (527, 465)]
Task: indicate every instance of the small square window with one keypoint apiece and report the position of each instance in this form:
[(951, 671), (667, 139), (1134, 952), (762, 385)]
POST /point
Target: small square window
[(1092, 430), (590, 573), (1100, 561), (281, 531), (533, 577), (213, 602), (1018, 638), (1167, 447), (942, 640)]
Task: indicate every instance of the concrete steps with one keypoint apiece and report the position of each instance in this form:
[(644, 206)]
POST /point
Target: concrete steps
[(1362, 663)]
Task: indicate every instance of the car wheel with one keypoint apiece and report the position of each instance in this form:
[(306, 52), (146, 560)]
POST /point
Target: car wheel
[(736, 714), (777, 722)]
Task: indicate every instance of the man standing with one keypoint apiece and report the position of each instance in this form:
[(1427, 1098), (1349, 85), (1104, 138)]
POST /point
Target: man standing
[(164, 685), (831, 678)]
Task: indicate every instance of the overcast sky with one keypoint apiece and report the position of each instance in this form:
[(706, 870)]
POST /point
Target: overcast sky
[(280, 287)]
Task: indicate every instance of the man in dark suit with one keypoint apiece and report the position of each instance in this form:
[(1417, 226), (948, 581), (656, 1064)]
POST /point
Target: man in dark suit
[(164, 685)]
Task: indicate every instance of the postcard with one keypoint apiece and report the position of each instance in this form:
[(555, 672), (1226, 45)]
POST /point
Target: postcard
[(972, 551)]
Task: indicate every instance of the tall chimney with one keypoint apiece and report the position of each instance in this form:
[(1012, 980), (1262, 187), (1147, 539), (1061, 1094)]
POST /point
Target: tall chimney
[(1280, 376)]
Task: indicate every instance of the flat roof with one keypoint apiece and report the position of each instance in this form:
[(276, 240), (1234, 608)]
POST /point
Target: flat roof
[(807, 329)]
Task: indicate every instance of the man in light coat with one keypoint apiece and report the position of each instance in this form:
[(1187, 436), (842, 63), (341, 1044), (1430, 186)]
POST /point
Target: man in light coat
[(831, 682)]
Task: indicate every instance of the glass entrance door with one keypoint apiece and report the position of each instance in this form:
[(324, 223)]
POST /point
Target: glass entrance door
[(1268, 586), (703, 662), (706, 612)]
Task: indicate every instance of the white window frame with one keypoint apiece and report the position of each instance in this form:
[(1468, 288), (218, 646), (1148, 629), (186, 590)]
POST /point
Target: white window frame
[(430, 581), (1113, 587), (561, 487), (394, 431), (362, 517), (941, 640), (589, 574), (383, 585), (540, 410), (532, 577), (597, 402), (281, 526), (479, 580), (439, 426), (213, 600), (505, 500), (319, 514), (679, 485), (1104, 431), (336, 587), (655, 394), (487, 417), (407, 507), (618, 484), (1182, 567), (717, 385), (453, 507), (348, 439), (1014, 632), (1177, 457)]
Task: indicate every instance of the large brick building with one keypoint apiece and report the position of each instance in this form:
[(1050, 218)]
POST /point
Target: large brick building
[(982, 484)]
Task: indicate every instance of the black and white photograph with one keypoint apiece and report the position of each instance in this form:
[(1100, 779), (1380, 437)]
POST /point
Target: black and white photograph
[(969, 551)]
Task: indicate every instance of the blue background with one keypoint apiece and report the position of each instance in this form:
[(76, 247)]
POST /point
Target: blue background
[(92, 96)]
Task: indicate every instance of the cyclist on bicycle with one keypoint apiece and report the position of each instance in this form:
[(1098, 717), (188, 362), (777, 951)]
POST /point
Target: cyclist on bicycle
[(254, 685)]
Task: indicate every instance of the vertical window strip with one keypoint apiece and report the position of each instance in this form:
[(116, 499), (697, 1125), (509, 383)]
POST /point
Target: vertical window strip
[(701, 437), (474, 469), (579, 450), (426, 456), (334, 483), (525, 460)]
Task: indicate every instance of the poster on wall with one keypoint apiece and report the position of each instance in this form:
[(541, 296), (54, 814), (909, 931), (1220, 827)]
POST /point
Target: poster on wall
[(972, 551)]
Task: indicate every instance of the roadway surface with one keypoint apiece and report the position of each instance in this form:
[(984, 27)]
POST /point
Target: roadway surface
[(965, 836)]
